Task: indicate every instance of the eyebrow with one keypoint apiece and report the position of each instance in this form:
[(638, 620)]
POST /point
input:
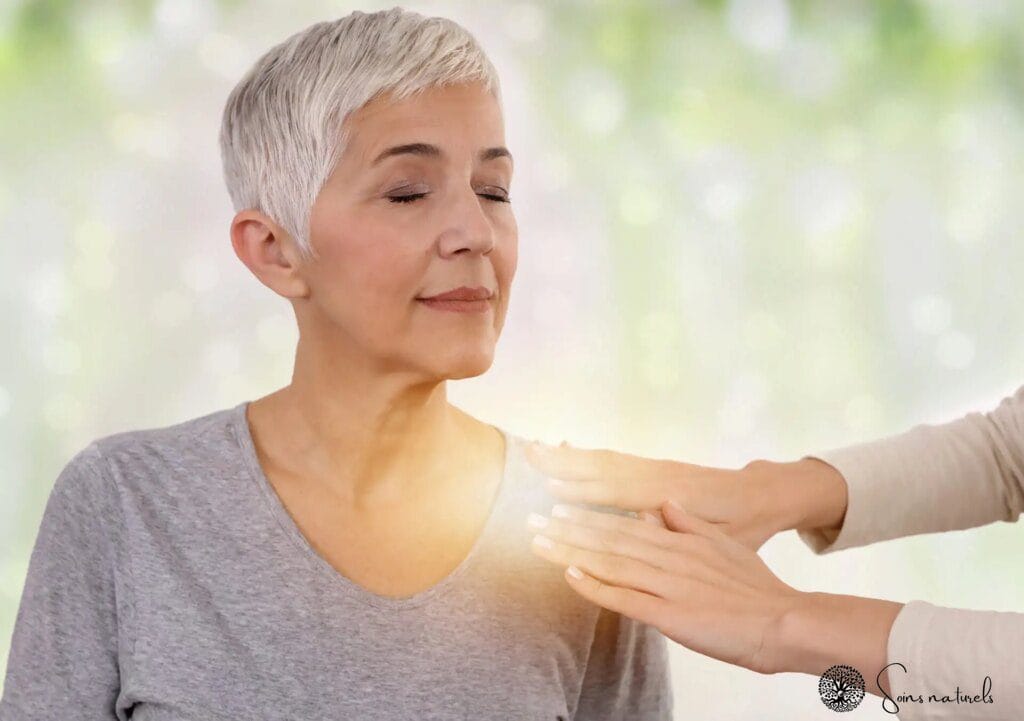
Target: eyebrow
[(432, 151)]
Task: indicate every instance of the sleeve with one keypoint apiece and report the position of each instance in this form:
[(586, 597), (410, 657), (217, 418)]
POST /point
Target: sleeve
[(931, 478), (63, 660), (627, 674), (943, 651)]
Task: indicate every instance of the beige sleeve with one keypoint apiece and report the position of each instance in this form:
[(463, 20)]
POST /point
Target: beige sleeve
[(931, 478), (941, 650)]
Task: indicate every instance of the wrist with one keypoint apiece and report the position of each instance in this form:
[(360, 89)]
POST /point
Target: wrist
[(793, 646), (820, 630), (807, 493)]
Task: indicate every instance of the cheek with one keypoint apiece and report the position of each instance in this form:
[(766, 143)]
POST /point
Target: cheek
[(368, 275), (368, 301), (388, 273), (506, 260)]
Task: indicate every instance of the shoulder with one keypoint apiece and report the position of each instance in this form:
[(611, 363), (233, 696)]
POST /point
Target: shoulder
[(531, 483), (139, 459), (521, 477), (175, 437)]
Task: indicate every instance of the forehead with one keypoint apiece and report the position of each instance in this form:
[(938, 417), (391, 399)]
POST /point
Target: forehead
[(464, 115)]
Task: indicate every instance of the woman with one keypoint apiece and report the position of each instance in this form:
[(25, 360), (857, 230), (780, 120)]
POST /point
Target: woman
[(351, 545), (701, 582)]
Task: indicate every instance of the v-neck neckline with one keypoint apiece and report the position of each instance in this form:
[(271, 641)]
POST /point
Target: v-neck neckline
[(243, 434)]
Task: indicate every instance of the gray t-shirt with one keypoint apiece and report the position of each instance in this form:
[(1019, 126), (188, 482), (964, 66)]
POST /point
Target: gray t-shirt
[(169, 582)]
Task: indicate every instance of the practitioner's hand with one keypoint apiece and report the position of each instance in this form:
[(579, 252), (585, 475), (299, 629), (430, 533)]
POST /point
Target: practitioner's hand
[(699, 587), (750, 504), (708, 592)]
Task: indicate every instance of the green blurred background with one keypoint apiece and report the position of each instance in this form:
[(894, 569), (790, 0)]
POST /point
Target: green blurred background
[(753, 228)]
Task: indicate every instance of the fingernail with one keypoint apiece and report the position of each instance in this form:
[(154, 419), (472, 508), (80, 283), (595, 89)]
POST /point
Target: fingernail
[(560, 511), (672, 502), (536, 520), (543, 541), (574, 572)]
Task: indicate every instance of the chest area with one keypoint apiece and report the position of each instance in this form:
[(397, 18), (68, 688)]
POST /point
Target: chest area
[(491, 652), (392, 551)]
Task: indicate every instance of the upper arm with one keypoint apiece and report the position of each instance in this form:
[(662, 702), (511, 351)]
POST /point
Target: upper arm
[(627, 673), (63, 660)]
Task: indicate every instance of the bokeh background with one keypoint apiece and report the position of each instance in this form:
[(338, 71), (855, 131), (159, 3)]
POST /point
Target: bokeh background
[(748, 228)]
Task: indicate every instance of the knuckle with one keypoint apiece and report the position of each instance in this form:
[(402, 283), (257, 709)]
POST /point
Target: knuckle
[(618, 566), (608, 542)]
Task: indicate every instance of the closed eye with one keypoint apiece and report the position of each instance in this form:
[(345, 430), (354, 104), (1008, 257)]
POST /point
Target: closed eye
[(405, 198), (416, 196)]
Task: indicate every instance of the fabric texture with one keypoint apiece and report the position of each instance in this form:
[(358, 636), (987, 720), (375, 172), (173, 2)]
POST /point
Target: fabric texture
[(168, 582), (933, 478)]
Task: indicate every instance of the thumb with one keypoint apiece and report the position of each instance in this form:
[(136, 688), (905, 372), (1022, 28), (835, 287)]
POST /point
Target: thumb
[(678, 519)]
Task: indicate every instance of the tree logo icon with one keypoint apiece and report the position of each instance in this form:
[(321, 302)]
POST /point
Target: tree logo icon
[(841, 688)]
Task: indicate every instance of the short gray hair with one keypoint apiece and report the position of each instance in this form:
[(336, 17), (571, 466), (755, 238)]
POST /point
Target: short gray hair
[(281, 132)]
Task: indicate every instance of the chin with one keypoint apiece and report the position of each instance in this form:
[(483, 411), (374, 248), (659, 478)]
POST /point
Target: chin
[(464, 365)]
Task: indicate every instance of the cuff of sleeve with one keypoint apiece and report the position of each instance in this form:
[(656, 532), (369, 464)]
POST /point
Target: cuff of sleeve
[(903, 656), (947, 651), (866, 495)]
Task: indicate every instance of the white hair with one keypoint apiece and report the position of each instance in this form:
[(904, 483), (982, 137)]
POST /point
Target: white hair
[(281, 133)]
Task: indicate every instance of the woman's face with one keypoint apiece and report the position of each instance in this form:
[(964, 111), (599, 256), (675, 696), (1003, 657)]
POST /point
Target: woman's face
[(395, 225)]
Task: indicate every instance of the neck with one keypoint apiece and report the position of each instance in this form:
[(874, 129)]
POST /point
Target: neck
[(371, 436)]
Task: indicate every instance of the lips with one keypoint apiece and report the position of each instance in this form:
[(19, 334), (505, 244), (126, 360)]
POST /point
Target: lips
[(461, 300), (463, 293)]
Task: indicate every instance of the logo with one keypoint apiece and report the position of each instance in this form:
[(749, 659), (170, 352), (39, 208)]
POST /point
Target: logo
[(891, 704), (841, 688)]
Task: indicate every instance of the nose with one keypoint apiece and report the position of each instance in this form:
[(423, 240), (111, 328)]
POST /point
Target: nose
[(468, 227)]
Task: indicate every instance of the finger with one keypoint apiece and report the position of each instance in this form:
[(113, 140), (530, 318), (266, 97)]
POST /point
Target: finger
[(588, 464), (640, 606), (678, 519), (613, 522), (617, 570), (683, 554), (611, 541), (609, 492)]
